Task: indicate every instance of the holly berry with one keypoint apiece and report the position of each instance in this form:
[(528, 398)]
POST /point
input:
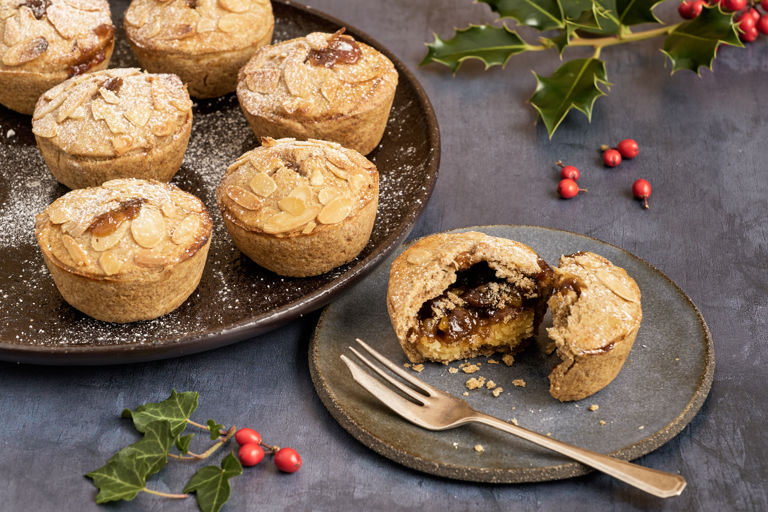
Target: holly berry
[(250, 454), (749, 35), (752, 12), (764, 5), (287, 460), (641, 189), (568, 171), (690, 9), (611, 157), (567, 188), (734, 5), (247, 435), (628, 148), (762, 24), (746, 21)]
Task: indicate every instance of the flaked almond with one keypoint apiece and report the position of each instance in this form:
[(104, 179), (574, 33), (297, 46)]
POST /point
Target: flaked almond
[(45, 127), (235, 5), (242, 197), (303, 192), (339, 159), (181, 103), (84, 5), (160, 94), (102, 243), (163, 127), (332, 90), (263, 80), (317, 178), (297, 80), (317, 40), (151, 259), (616, 285), (232, 23), (186, 201), (13, 33), (25, 51), (206, 24), (358, 182), (335, 211), (75, 250), (122, 144), (326, 195), (169, 209), (80, 113), (339, 173), (180, 31), (149, 228), (137, 14), (75, 227), (362, 72), (110, 263), (115, 121), (418, 256), (75, 98), (187, 230), (292, 205), (312, 165), (109, 96), (263, 184), (309, 228), (49, 107), (284, 222), (138, 116), (58, 213)]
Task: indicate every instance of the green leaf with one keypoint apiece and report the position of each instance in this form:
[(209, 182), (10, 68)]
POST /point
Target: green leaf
[(694, 43), (607, 19), (492, 45), (575, 84), (215, 429), (125, 474), (175, 409), (539, 14), (182, 443), (635, 12), (211, 484)]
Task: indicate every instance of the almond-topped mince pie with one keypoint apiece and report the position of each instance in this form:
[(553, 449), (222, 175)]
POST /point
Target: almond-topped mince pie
[(44, 42), (596, 314), (205, 42), (117, 123), (460, 295), (322, 86), (300, 208), (128, 250)]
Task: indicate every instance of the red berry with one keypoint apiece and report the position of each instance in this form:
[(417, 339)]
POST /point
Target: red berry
[(247, 435), (641, 189), (250, 454), (762, 24), (764, 5), (746, 21), (753, 12), (567, 188), (611, 157), (749, 35), (628, 148), (734, 5), (568, 171), (287, 460), (687, 10)]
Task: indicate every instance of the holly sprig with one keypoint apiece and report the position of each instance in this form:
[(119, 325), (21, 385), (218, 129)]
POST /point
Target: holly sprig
[(598, 24)]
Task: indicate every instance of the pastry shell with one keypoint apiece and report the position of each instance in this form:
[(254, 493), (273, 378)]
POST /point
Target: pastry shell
[(205, 42), (117, 123), (283, 94), (300, 208), (596, 313), (43, 43), (126, 251)]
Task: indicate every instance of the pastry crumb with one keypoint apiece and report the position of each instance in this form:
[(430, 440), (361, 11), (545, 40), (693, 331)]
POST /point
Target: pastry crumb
[(514, 421), (677, 359), (406, 365), (602, 422), (453, 370), (641, 427), (10, 133), (490, 384), (475, 382), (594, 407), (550, 348), (520, 383), (470, 368), (456, 445), (465, 394), (493, 361), (508, 359), (496, 392), (549, 434), (417, 368), (479, 448)]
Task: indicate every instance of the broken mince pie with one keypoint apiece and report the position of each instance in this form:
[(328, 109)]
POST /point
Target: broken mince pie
[(128, 250), (322, 86), (460, 295), (596, 314), (44, 42), (117, 123), (205, 42), (300, 208)]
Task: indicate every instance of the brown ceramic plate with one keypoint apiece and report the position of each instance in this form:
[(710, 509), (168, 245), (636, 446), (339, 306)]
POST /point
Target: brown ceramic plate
[(236, 299), (663, 384)]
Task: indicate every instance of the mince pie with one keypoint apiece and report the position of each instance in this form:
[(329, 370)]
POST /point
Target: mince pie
[(300, 208), (128, 250)]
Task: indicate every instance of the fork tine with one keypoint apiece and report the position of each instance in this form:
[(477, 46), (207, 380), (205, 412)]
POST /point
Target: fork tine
[(420, 384), (419, 397), (385, 395)]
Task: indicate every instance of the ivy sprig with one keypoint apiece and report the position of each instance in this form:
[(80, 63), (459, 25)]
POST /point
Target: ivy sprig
[(598, 24)]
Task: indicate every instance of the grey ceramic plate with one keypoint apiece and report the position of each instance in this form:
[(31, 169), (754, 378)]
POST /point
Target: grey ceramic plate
[(236, 299), (661, 387)]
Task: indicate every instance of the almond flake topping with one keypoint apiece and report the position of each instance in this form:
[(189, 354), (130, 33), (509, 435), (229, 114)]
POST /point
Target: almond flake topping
[(148, 258), (49, 107), (308, 228), (339, 173), (335, 211), (148, 228), (102, 243), (418, 256), (292, 205), (122, 144), (284, 222), (138, 116), (25, 51), (616, 285), (302, 192), (326, 195), (358, 182), (242, 197), (110, 263), (297, 79), (45, 127), (263, 80), (164, 127), (109, 96), (169, 209), (75, 98), (187, 230), (262, 184), (231, 23), (235, 5), (74, 249), (186, 201)]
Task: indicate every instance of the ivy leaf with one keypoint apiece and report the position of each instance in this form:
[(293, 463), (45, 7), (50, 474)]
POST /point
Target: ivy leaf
[(635, 12), (182, 443), (694, 43), (492, 45), (539, 14), (575, 84), (211, 484), (125, 474), (215, 429), (175, 409)]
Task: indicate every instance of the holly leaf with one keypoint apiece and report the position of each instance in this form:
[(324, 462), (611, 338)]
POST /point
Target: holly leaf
[(635, 12), (211, 484), (215, 429), (492, 45), (175, 409), (607, 19), (694, 43), (575, 84), (539, 14), (182, 443), (125, 473)]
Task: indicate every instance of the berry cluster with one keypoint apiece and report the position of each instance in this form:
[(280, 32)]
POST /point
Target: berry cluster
[(251, 451), (749, 19), (627, 148)]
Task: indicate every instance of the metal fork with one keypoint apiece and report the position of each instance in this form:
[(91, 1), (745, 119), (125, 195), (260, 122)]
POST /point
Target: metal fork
[(434, 409)]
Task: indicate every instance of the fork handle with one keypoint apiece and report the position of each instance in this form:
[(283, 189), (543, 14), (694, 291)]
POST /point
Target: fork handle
[(653, 481)]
